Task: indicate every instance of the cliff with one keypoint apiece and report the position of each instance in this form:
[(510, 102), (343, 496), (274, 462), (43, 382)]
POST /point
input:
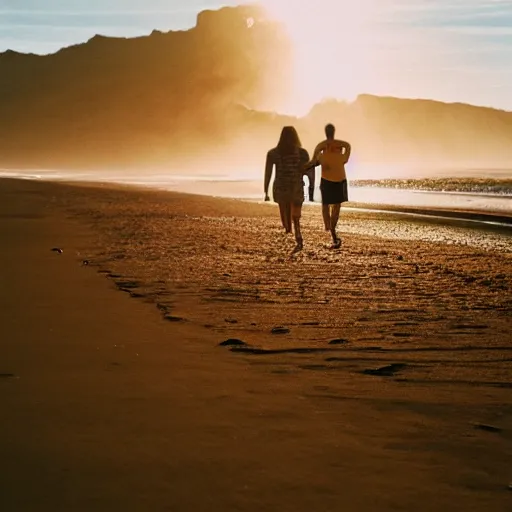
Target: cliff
[(112, 101)]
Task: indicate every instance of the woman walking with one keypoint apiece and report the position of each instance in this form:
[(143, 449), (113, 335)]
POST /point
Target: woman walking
[(289, 159)]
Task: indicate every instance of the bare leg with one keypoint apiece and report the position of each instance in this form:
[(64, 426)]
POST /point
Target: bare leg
[(284, 210), (296, 214), (327, 217), (296, 225), (288, 217), (282, 213), (335, 215)]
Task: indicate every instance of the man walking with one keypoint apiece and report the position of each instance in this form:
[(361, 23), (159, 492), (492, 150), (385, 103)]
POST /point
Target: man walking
[(332, 154)]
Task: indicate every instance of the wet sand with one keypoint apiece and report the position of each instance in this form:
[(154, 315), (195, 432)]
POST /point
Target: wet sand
[(388, 388)]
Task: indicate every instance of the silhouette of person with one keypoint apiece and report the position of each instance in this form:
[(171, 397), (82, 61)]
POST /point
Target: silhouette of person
[(332, 155), (289, 159)]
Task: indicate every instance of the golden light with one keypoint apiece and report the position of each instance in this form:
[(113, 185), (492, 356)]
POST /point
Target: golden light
[(333, 47)]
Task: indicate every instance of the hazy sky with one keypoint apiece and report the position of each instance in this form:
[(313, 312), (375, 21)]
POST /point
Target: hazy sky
[(450, 50)]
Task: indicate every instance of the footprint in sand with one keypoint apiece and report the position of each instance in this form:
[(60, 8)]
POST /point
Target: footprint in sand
[(233, 342), (321, 367), (280, 330), (338, 341), (487, 428), (469, 326), (266, 351), (385, 371), (172, 318), (127, 285)]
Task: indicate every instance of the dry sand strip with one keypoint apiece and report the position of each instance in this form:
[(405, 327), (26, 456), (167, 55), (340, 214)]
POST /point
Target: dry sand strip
[(105, 406)]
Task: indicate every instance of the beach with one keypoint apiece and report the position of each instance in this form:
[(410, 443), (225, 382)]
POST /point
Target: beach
[(377, 377)]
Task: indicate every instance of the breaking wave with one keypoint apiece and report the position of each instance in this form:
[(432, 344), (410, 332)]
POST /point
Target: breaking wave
[(480, 186)]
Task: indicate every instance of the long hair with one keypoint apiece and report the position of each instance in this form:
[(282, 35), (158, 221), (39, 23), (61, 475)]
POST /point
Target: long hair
[(289, 141)]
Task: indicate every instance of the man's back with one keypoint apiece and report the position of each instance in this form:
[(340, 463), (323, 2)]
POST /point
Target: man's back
[(332, 154)]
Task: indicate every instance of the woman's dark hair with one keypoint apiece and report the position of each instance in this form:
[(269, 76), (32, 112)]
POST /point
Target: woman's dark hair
[(289, 140)]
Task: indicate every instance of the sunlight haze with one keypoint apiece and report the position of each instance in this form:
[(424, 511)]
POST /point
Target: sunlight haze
[(446, 50), (333, 48)]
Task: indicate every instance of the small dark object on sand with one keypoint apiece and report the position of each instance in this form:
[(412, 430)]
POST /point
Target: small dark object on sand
[(232, 342), (85, 262), (400, 258), (280, 330), (385, 371), (338, 341), (487, 428), (230, 320), (6, 375), (57, 249)]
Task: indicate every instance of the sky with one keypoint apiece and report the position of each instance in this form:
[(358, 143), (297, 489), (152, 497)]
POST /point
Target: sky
[(447, 50)]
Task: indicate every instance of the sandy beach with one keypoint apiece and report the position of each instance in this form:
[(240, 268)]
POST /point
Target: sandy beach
[(387, 384)]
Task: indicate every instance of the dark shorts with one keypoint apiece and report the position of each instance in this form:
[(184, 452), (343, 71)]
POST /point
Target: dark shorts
[(334, 192)]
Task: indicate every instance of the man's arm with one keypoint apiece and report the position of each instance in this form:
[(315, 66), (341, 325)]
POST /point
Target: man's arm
[(269, 165), (347, 150)]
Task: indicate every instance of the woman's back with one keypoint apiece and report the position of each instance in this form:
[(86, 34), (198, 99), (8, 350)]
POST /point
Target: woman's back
[(289, 165), (289, 159)]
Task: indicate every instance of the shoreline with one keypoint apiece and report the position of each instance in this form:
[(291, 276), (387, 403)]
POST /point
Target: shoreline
[(491, 218), (127, 401), (411, 199), (497, 218)]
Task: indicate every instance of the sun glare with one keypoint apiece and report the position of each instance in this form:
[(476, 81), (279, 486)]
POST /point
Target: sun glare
[(332, 42)]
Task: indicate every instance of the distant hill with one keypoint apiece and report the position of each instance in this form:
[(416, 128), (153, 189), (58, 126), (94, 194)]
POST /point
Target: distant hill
[(205, 96), (418, 132), (112, 101)]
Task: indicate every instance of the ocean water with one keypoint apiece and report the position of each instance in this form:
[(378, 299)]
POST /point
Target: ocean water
[(447, 189)]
